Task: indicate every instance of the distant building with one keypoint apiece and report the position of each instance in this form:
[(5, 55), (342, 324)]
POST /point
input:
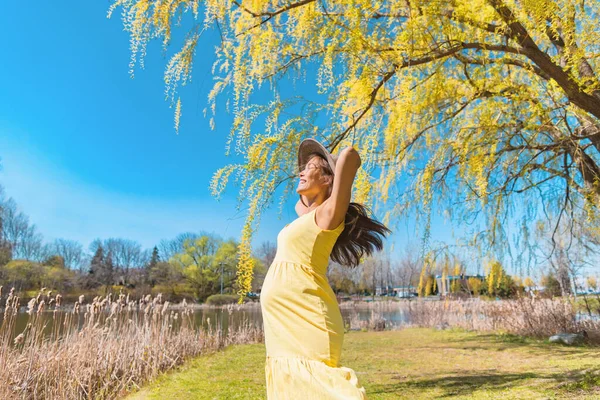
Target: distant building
[(395, 290), (444, 285)]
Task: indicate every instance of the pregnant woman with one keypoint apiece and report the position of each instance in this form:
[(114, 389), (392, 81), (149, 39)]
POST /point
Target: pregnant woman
[(303, 325)]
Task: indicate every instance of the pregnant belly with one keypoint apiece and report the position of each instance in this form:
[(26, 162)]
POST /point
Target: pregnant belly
[(299, 314), (289, 282), (294, 288)]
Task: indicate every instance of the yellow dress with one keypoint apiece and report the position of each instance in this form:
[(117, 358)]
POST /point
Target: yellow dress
[(303, 325)]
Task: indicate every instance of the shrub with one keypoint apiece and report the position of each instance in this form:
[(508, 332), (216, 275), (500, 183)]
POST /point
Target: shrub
[(221, 299), (551, 285)]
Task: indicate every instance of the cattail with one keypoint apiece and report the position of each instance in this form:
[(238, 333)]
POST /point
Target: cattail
[(31, 306), (81, 299), (40, 294), (164, 309), (14, 305), (19, 339), (41, 306), (11, 303), (58, 300)]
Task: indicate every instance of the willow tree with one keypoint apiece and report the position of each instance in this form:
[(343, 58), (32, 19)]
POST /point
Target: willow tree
[(473, 104)]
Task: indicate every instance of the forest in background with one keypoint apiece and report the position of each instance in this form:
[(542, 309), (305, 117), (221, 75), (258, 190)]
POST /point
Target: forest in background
[(195, 265)]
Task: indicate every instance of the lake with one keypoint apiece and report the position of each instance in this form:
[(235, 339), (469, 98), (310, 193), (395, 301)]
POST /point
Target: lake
[(210, 318)]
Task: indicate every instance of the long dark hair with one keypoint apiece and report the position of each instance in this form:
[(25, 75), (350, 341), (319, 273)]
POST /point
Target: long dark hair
[(362, 235)]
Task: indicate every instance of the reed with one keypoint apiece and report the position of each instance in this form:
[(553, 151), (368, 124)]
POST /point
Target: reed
[(102, 349), (526, 316)]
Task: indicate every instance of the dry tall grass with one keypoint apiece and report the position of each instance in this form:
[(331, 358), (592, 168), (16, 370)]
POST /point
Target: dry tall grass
[(100, 350), (533, 317), (376, 322)]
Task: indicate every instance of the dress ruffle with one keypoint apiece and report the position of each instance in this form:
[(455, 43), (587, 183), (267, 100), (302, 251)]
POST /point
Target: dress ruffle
[(291, 378)]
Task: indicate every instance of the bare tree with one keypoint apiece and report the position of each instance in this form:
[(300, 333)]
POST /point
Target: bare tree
[(125, 255), (565, 250), (71, 252), (30, 246), (168, 248), (15, 226), (373, 272), (408, 267), (266, 252)]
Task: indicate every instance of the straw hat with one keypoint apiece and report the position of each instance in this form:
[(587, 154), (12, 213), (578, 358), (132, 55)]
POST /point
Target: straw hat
[(309, 146)]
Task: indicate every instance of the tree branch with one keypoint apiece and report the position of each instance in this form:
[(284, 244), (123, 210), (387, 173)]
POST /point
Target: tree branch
[(507, 61), (372, 97), (269, 14), (574, 93)]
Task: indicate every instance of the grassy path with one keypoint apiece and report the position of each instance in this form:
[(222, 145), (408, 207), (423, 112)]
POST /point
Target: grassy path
[(408, 364)]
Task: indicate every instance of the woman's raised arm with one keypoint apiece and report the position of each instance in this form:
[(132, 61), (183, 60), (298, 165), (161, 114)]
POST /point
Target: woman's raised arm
[(335, 207)]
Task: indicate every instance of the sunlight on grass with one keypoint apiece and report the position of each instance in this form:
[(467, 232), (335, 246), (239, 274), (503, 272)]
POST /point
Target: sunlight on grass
[(408, 364)]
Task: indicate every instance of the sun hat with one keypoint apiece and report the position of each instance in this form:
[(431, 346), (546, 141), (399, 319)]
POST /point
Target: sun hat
[(310, 146)]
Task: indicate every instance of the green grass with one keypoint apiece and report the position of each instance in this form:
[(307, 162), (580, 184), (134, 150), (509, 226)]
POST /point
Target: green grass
[(408, 364)]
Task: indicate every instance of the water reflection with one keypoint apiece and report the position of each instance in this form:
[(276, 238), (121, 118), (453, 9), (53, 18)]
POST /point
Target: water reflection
[(213, 318)]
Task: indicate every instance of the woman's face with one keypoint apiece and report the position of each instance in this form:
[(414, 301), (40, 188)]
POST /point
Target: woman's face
[(312, 179)]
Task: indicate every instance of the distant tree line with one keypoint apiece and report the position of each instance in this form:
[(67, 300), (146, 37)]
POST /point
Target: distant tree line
[(198, 265), (407, 274), (191, 265)]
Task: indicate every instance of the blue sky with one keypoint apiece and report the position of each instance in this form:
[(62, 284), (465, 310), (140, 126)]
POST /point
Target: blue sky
[(87, 152)]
